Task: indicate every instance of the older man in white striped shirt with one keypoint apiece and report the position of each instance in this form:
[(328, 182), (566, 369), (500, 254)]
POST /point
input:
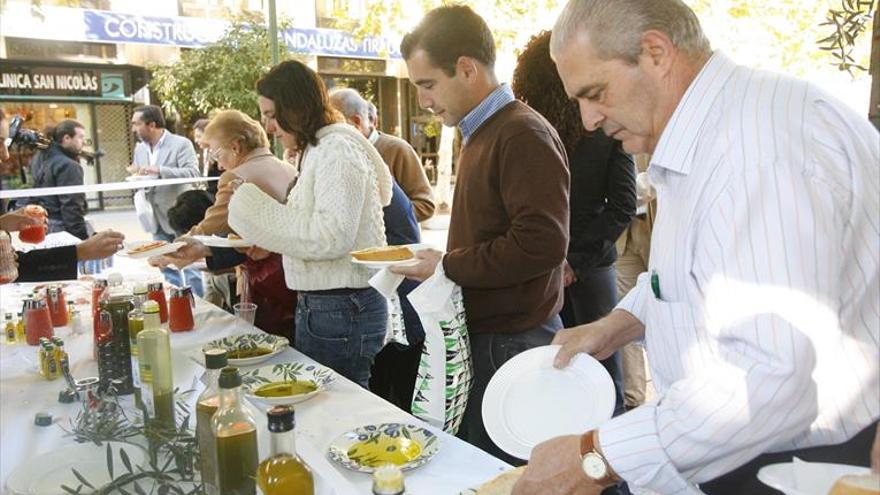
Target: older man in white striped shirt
[(761, 307)]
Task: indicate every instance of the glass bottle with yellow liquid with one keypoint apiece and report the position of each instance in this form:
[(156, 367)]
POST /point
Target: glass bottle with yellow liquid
[(284, 473), (154, 363), (235, 434), (206, 406), (135, 326)]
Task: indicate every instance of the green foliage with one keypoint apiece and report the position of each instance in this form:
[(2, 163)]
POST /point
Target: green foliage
[(221, 75), (173, 451), (847, 23)]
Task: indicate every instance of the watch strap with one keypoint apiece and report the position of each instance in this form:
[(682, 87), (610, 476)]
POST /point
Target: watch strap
[(589, 442)]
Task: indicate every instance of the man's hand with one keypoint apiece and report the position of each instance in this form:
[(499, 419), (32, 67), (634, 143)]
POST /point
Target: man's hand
[(428, 260), (256, 253), (132, 169), (18, 220), (568, 275), (555, 469), (101, 245), (183, 257), (148, 171), (599, 339)]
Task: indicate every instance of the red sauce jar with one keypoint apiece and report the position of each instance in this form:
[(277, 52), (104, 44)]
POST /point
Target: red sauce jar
[(57, 305), (180, 306), (98, 288), (156, 292), (37, 321), (34, 234)]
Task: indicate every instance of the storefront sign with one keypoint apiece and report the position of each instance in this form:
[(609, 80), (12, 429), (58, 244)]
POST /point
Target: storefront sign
[(334, 43), (21, 79), (101, 26), (176, 31)]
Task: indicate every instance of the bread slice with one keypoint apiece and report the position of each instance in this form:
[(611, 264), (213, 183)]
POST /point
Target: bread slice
[(857, 484), (502, 484), (385, 253), (147, 247)]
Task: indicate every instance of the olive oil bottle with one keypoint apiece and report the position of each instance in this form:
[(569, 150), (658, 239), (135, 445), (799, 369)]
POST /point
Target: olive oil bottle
[(284, 473), (206, 406), (235, 434), (135, 326), (9, 329), (154, 363)]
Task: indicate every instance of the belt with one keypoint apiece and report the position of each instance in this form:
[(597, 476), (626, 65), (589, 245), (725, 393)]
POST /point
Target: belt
[(332, 292)]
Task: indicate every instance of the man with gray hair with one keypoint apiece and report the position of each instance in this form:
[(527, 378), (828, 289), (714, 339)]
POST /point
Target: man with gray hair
[(400, 157), (761, 307)]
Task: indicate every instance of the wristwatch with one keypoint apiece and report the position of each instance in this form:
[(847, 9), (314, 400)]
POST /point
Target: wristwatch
[(593, 462)]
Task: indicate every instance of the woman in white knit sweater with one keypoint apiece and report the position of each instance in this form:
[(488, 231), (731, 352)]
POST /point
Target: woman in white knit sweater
[(334, 208)]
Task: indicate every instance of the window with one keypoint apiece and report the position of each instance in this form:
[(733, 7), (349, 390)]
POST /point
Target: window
[(218, 9), (340, 14), (21, 48), (77, 4)]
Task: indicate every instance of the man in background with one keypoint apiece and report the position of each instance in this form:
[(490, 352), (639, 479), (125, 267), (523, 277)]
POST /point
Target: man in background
[(58, 166), (393, 376), (165, 155), (400, 157)]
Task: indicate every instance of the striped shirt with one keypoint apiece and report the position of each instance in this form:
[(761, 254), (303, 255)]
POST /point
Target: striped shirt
[(766, 334), (475, 118)]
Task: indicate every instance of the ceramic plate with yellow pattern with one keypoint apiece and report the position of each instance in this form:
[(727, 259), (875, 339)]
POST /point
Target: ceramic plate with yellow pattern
[(368, 447)]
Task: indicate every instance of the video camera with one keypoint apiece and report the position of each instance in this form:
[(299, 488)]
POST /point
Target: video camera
[(29, 138)]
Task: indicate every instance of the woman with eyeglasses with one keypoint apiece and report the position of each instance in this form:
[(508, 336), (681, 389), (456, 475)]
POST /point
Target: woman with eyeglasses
[(240, 147)]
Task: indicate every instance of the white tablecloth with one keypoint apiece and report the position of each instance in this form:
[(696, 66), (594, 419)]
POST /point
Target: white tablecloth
[(23, 393)]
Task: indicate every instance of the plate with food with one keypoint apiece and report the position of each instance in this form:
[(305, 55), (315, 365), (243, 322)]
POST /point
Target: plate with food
[(286, 383), (250, 348), (815, 478), (230, 241), (385, 256), (499, 485), (366, 448), (145, 249)]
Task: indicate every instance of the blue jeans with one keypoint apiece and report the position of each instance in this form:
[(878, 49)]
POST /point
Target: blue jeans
[(172, 275), (343, 330)]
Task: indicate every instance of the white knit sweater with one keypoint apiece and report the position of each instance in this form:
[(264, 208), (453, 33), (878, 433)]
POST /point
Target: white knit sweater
[(334, 208)]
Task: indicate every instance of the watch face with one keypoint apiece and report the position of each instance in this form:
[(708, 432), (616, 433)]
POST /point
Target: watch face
[(594, 466)]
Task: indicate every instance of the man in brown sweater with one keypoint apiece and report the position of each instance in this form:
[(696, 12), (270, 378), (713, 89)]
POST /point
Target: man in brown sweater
[(400, 157), (509, 227)]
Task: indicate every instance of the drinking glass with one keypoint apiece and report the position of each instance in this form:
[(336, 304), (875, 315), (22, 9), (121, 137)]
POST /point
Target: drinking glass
[(245, 313)]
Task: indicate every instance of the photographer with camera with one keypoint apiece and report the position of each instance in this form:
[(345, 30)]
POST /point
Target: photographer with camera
[(59, 263), (56, 166)]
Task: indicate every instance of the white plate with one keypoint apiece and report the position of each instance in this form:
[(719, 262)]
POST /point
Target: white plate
[(529, 401), (165, 249), (378, 265), (292, 371), (250, 341), (221, 242), (339, 448), (822, 476), (138, 178), (45, 474)]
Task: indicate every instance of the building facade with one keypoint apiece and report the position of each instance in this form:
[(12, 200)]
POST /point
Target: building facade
[(85, 59)]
